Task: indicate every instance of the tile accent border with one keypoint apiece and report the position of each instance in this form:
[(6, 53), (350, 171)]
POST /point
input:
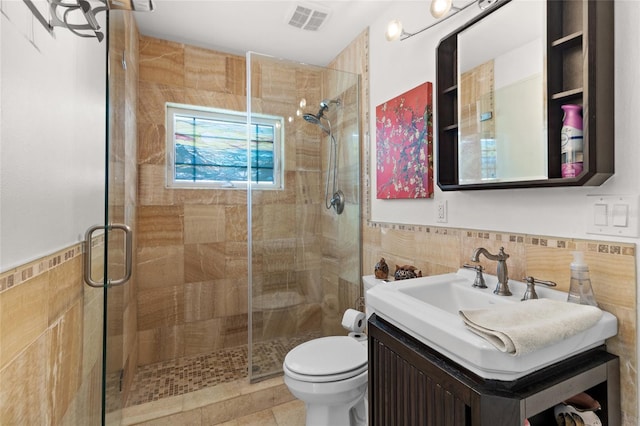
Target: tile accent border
[(595, 246), (22, 273)]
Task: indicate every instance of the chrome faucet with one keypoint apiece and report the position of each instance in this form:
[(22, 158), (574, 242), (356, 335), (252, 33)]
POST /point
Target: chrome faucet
[(502, 289)]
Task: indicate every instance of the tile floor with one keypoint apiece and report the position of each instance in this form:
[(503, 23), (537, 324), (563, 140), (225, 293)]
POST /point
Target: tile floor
[(188, 374), (213, 389)]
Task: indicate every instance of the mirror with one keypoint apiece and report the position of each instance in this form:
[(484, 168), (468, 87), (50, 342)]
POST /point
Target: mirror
[(502, 105)]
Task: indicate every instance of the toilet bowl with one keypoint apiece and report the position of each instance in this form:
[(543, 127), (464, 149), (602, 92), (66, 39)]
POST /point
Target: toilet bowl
[(330, 375)]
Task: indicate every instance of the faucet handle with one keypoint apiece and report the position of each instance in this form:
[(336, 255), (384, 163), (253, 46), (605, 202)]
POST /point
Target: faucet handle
[(530, 293), (479, 281)]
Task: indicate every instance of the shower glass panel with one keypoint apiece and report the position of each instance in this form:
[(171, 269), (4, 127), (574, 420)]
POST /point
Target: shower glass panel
[(304, 238), (119, 302)]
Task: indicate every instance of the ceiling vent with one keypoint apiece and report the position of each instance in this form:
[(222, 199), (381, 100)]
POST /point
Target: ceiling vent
[(308, 17)]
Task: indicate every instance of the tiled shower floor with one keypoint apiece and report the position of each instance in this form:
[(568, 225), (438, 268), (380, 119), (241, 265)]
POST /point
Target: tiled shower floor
[(187, 374)]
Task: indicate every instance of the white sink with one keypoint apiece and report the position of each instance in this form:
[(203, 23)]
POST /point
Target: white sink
[(427, 309)]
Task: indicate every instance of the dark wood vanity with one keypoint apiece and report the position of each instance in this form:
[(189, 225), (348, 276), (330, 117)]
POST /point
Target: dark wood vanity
[(412, 384), (579, 69)]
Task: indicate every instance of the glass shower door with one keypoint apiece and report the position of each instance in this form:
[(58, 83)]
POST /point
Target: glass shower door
[(119, 305), (304, 251)]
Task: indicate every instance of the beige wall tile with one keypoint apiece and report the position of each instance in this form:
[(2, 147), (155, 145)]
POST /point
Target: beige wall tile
[(160, 226), (160, 307), (92, 331), (276, 83), (204, 262), (25, 313), (152, 108), (207, 70), (160, 266), (86, 408), (66, 287), (235, 222), (277, 221), (161, 61), (205, 223), (202, 336), (25, 385), (151, 186), (160, 344), (213, 99), (152, 143), (65, 364), (199, 300)]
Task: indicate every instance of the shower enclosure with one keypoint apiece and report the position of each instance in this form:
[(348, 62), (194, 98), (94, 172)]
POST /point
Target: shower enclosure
[(228, 279), (304, 239)]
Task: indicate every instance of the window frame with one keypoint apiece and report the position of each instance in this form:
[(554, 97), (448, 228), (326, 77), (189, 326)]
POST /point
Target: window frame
[(230, 116)]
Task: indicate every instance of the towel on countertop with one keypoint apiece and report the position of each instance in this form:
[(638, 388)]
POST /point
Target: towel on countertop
[(521, 328)]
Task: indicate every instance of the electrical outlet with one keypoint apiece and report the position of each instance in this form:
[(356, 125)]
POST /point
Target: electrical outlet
[(442, 212)]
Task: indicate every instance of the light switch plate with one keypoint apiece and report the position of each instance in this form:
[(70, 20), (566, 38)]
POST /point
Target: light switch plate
[(615, 215), (442, 212)]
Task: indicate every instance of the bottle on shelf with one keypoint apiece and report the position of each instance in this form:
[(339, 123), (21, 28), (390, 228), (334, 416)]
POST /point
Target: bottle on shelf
[(571, 141)]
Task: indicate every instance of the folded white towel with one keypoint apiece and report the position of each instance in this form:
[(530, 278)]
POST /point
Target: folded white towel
[(523, 327)]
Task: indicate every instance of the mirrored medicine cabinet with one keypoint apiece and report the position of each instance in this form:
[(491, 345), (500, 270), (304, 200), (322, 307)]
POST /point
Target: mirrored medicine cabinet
[(502, 79)]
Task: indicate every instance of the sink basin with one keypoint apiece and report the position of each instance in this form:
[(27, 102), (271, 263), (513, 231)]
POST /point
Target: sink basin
[(427, 309)]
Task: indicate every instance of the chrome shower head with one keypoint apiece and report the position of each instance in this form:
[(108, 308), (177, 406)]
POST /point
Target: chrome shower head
[(312, 118), (315, 119)]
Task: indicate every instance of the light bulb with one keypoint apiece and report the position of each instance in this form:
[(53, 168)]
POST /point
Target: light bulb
[(439, 8), (394, 30)]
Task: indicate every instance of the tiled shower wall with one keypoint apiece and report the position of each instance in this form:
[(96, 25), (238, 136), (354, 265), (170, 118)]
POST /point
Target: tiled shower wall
[(192, 248), (50, 343), (192, 244)]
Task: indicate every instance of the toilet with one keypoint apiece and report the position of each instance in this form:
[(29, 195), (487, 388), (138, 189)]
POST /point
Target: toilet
[(330, 375)]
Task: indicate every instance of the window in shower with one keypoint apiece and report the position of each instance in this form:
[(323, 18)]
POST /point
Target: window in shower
[(207, 148)]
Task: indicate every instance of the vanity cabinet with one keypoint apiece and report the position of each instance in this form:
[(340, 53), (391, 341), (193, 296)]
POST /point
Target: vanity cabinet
[(579, 69), (411, 384)]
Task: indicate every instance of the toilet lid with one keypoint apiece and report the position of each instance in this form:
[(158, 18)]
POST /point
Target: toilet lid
[(327, 356)]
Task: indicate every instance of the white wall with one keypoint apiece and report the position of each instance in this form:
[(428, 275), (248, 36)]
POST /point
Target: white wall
[(52, 137), (399, 66)]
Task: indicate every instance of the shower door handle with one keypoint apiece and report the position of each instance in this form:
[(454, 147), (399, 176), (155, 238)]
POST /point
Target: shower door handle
[(127, 255)]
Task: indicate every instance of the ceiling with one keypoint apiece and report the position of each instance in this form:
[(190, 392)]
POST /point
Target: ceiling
[(238, 26)]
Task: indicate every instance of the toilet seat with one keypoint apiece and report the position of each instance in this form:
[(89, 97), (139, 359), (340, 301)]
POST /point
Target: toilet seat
[(326, 359)]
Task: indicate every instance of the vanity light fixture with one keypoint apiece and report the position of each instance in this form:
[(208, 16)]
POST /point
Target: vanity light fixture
[(79, 16), (395, 31), (439, 9)]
